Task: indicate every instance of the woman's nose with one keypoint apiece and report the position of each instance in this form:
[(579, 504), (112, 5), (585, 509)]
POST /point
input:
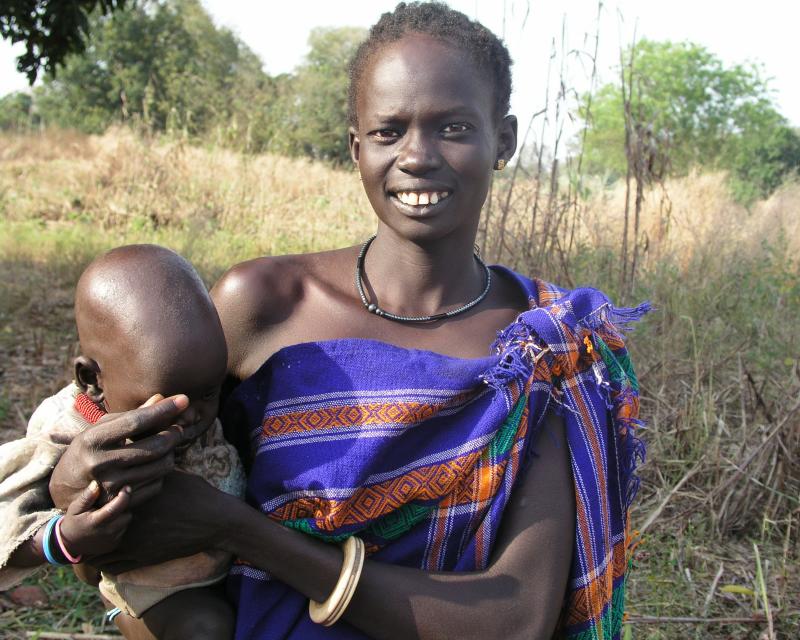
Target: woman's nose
[(418, 154)]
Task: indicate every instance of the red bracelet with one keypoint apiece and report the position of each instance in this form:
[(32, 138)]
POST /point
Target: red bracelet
[(62, 547)]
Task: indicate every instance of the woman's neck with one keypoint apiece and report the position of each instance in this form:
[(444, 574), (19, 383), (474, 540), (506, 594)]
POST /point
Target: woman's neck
[(410, 278)]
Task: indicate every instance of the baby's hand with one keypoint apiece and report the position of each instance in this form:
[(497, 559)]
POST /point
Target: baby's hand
[(93, 532)]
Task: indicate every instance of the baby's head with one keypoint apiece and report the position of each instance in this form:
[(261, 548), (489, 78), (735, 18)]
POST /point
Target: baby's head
[(146, 325)]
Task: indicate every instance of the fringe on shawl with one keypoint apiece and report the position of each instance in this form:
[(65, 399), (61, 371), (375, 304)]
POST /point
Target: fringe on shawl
[(524, 354)]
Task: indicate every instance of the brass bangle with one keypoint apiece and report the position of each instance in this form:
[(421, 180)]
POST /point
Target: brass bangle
[(328, 612)]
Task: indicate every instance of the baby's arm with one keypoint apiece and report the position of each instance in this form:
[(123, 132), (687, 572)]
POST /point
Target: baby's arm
[(92, 532), (83, 530)]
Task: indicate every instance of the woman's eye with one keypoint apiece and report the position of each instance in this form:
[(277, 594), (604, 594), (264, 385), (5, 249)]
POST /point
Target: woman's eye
[(384, 134), (456, 127)]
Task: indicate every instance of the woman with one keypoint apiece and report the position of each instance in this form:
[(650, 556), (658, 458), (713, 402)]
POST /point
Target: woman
[(486, 487)]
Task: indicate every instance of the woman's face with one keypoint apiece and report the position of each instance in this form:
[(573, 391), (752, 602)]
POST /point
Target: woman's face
[(427, 138)]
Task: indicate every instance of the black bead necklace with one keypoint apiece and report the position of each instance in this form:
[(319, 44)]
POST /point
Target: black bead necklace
[(374, 308)]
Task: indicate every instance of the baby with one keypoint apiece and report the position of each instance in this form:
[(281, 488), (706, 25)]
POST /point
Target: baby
[(146, 326)]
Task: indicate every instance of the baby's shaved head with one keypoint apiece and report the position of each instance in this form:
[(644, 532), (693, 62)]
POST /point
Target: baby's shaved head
[(143, 314)]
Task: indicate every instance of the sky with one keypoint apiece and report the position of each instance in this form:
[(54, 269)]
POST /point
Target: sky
[(763, 32)]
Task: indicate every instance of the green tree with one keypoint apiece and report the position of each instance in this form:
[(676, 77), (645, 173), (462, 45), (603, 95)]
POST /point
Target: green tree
[(16, 111), (50, 29), (312, 110), (165, 64), (761, 157), (698, 111)]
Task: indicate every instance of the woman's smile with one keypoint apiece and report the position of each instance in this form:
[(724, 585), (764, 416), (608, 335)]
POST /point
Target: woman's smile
[(421, 201)]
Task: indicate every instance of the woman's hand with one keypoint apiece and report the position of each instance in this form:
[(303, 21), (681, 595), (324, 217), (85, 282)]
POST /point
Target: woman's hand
[(187, 516), (132, 448)]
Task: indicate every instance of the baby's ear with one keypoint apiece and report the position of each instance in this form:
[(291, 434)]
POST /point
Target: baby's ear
[(87, 377)]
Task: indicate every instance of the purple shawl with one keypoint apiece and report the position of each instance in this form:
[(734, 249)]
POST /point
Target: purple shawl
[(417, 453)]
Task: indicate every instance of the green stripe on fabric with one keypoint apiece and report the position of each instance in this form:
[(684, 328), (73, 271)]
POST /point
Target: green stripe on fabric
[(395, 524), (301, 524), (627, 366), (619, 366), (504, 438), (611, 620)]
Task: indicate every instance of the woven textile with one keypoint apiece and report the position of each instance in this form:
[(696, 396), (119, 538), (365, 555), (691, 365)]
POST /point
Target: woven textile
[(417, 453)]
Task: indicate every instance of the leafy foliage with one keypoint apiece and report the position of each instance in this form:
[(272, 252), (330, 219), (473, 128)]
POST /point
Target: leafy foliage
[(15, 111), (762, 158), (166, 67), (50, 29), (698, 112), (314, 109)]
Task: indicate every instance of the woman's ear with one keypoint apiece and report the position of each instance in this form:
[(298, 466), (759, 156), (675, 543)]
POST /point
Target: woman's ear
[(87, 377), (354, 144), (507, 139)]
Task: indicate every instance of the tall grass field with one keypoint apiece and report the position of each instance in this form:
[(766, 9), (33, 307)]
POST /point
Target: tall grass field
[(719, 360)]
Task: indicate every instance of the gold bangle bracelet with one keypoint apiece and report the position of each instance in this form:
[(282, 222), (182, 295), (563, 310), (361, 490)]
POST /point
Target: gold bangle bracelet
[(328, 612)]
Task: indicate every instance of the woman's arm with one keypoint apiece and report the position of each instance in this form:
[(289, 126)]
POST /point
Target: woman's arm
[(523, 587)]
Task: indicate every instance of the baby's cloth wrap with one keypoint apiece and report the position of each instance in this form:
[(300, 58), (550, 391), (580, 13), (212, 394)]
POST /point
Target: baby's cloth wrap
[(25, 505)]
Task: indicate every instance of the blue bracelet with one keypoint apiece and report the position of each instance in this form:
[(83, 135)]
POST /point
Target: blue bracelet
[(47, 540)]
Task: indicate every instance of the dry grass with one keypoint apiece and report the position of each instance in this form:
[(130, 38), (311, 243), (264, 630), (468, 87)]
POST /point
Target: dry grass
[(718, 361), (694, 215), (683, 220), (126, 185)]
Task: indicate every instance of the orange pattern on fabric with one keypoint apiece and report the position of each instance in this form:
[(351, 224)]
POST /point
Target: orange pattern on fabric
[(454, 483), (589, 606), (472, 479), (370, 503), (372, 413), (349, 416), (589, 601), (593, 441), (469, 479)]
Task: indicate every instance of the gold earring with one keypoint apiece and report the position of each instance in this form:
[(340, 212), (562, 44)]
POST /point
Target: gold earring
[(500, 164)]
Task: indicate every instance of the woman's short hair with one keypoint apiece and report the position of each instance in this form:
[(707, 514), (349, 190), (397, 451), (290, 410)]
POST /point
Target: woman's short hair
[(439, 21)]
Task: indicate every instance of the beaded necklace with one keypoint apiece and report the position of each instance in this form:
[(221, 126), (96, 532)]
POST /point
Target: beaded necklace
[(374, 308)]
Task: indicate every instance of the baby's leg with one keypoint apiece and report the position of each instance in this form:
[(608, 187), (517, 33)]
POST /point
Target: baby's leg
[(199, 614)]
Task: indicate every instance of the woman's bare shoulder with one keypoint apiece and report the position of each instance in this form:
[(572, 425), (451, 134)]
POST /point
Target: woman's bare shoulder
[(243, 290), (276, 280), (257, 298)]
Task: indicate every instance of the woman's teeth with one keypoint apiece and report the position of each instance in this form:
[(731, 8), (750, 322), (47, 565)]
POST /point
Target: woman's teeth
[(416, 198)]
